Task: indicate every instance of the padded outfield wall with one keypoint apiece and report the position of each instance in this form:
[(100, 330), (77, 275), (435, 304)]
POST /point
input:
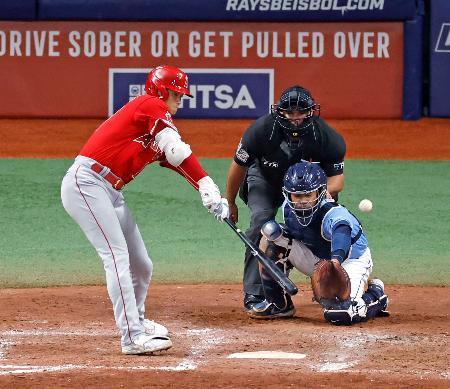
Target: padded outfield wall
[(439, 75), (360, 58)]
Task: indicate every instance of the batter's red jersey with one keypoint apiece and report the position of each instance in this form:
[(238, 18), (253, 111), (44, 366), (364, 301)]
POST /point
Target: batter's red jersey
[(126, 141)]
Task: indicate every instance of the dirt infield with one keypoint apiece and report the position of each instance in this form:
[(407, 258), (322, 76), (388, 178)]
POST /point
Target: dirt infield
[(425, 139), (66, 337)]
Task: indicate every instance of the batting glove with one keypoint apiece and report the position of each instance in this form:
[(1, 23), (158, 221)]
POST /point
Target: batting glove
[(222, 210), (209, 192)]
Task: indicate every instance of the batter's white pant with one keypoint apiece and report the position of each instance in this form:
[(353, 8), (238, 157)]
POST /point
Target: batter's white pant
[(102, 214), (358, 269)]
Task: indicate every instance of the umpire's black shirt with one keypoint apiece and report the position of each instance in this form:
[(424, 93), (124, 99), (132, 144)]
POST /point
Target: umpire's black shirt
[(265, 146)]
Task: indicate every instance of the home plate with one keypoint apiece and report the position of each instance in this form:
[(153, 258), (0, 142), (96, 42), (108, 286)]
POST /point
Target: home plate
[(267, 355)]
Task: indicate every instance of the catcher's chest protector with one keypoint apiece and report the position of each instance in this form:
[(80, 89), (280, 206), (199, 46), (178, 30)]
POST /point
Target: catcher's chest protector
[(311, 235)]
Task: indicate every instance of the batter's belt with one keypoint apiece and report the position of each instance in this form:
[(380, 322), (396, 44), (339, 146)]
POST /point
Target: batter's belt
[(116, 182)]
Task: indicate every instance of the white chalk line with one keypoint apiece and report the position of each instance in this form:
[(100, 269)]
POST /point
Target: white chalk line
[(26, 369), (29, 369), (58, 332), (207, 338)]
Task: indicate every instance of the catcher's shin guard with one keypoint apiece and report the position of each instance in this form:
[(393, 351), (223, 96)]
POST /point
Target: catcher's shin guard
[(342, 313), (376, 300), (350, 312), (273, 292)]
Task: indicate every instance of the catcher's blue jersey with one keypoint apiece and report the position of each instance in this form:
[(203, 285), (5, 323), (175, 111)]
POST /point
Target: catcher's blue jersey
[(317, 235)]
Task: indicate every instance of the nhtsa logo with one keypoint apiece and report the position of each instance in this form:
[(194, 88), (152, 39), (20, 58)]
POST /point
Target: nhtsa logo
[(443, 41), (221, 96), (304, 5), (205, 96), (217, 93)]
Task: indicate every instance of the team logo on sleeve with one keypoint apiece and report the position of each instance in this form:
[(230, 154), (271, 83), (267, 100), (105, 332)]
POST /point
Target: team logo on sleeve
[(147, 140), (160, 124), (338, 166), (241, 154)]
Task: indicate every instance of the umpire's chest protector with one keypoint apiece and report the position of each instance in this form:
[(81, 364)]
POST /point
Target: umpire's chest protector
[(311, 236)]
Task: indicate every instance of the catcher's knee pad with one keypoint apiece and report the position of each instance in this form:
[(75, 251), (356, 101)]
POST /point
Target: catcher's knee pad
[(276, 233), (272, 230), (376, 300)]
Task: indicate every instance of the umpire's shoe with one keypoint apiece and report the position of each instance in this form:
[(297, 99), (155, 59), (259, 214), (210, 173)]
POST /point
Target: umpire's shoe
[(147, 344), (250, 300), (267, 310)]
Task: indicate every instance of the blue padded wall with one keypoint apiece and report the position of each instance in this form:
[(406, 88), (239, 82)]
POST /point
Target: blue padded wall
[(18, 9)]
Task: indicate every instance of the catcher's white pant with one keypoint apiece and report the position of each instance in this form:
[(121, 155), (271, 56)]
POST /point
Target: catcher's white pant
[(102, 214), (358, 269)]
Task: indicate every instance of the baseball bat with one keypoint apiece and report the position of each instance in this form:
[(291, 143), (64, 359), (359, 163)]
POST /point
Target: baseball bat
[(275, 272)]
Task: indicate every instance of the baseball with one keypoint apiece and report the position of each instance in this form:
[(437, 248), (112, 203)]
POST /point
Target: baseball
[(365, 205)]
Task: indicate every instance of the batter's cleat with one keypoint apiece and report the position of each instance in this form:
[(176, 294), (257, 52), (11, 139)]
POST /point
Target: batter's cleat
[(266, 310), (154, 328), (147, 344), (250, 300)]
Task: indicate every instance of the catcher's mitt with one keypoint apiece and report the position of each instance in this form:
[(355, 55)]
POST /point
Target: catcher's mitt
[(330, 283)]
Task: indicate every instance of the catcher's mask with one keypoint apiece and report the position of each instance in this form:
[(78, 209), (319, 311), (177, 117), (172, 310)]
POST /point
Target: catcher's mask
[(295, 99), (301, 179)]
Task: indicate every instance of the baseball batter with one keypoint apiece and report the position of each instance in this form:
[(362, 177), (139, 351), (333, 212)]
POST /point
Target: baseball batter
[(140, 133), (315, 229)]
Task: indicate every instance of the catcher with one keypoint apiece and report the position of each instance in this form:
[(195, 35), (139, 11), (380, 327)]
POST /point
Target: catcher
[(324, 241)]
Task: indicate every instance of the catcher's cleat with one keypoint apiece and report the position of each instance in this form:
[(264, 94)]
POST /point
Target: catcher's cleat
[(384, 303), (250, 300), (154, 328), (376, 286), (147, 344), (266, 310)]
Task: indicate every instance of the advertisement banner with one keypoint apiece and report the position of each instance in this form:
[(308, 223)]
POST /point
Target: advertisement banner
[(217, 93), (63, 69)]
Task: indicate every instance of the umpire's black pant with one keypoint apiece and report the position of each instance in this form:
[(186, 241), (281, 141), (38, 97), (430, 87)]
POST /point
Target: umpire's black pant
[(263, 198)]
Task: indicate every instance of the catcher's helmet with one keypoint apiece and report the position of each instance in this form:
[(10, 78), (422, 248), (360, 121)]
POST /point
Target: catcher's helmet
[(165, 77), (303, 178), (295, 99)]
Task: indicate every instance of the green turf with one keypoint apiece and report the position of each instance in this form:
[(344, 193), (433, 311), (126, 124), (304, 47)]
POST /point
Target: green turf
[(408, 230)]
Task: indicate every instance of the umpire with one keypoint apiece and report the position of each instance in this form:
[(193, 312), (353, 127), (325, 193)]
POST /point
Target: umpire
[(292, 132)]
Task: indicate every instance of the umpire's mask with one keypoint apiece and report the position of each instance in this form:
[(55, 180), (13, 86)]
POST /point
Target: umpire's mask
[(294, 111)]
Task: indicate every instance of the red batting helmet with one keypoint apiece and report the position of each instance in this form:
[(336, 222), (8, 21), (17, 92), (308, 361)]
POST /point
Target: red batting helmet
[(166, 77)]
